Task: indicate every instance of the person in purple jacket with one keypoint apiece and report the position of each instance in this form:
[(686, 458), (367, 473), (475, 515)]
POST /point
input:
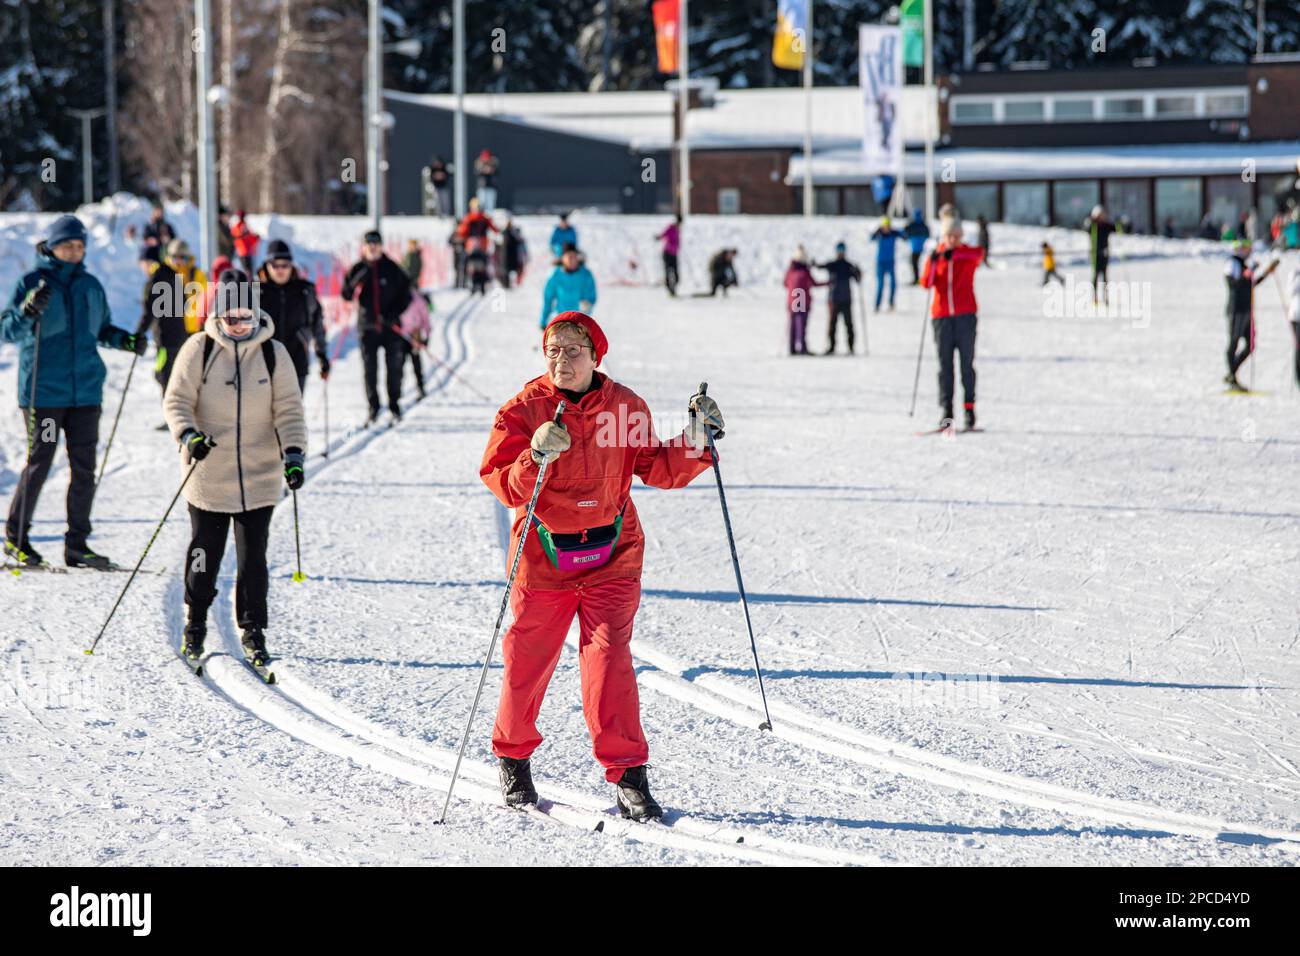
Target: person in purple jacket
[(799, 283), (671, 238)]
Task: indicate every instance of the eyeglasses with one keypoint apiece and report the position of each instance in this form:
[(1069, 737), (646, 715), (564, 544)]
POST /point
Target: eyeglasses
[(571, 351), (237, 318)]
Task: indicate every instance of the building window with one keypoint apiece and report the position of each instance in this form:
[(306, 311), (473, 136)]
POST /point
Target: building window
[(1121, 107), (1072, 201), (1225, 104), (977, 199), (858, 201), (1178, 202), (1025, 203), (1129, 199), (1172, 107), (972, 111), (1072, 110), (729, 201), (1023, 111), (1229, 199), (826, 200)]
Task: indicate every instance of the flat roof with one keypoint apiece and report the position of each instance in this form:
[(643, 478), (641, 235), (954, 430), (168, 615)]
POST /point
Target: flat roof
[(844, 166)]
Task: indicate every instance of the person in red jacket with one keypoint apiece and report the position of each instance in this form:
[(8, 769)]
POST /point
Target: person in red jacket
[(245, 241), (950, 273), (583, 554)]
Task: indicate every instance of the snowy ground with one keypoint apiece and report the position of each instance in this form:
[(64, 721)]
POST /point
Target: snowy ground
[(1069, 639)]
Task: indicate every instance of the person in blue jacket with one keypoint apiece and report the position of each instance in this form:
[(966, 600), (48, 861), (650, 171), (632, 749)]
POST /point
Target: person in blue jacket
[(571, 287), (58, 317), (563, 235), (885, 237), (917, 233)]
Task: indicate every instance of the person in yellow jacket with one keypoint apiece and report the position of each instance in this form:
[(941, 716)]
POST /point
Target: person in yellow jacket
[(173, 306), (1049, 266)]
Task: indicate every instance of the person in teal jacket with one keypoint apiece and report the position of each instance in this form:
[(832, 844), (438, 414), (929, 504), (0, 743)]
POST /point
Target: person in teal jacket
[(65, 306), (561, 236), (571, 287)]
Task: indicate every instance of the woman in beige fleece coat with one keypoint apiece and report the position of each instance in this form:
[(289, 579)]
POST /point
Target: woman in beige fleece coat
[(241, 428)]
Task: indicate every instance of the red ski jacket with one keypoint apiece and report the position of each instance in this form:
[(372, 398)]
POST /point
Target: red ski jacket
[(953, 280), (613, 439)]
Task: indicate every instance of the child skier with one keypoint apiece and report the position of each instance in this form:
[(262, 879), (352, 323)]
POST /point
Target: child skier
[(1049, 265)]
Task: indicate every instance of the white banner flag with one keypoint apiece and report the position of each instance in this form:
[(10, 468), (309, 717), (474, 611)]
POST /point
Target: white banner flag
[(880, 72)]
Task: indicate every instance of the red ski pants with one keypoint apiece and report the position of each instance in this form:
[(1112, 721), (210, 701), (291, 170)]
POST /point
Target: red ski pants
[(532, 648)]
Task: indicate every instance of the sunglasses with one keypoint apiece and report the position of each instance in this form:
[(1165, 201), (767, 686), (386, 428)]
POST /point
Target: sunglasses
[(281, 264)]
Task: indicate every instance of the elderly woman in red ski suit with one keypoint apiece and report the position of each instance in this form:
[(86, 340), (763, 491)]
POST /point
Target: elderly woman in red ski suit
[(583, 554)]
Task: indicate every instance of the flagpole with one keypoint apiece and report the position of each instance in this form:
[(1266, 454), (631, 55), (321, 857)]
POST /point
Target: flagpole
[(807, 126), (929, 118), (684, 179)]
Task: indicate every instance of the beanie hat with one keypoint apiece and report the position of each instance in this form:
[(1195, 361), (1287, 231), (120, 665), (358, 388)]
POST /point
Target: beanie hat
[(278, 249), (65, 229), (234, 291), (840, 247), (598, 340), (373, 236), (178, 249)]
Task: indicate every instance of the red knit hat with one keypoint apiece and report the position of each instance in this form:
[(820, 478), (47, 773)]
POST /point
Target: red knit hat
[(598, 340)]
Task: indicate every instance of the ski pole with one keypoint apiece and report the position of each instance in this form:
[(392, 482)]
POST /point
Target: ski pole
[(735, 563), (298, 576), (920, 350), (1286, 311), (505, 600), (863, 309), (326, 386), (136, 570), (23, 522), (116, 418)]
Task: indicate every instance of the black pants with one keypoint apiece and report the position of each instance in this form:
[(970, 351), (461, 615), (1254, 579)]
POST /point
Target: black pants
[(1049, 275), (1099, 267), (840, 310), (956, 333), (670, 272), (916, 268), (81, 430), (394, 347), (1240, 333), (203, 562)]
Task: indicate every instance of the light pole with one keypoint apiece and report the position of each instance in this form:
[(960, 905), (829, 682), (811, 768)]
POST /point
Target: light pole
[(207, 95), (458, 124), (378, 120), (87, 163)]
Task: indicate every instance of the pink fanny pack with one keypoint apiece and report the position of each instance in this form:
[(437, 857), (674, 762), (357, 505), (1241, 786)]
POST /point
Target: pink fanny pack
[(587, 549)]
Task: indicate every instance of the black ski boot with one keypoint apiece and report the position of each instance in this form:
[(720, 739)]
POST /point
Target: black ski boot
[(24, 554), (970, 416), (196, 631), (633, 795), (83, 557), (254, 644), (517, 782)]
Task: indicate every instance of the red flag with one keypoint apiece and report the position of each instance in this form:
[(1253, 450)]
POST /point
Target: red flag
[(666, 15)]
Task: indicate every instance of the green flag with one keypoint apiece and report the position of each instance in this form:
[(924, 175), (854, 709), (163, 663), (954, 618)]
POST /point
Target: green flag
[(912, 14)]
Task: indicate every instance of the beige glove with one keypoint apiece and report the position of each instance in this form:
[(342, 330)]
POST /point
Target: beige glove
[(706, 415), (549, 441)]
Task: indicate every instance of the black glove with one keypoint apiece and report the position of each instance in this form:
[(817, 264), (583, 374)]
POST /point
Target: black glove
[(36, 300), (947, 254), (196, 444), (293, 473), (324, 366), (137, 343)]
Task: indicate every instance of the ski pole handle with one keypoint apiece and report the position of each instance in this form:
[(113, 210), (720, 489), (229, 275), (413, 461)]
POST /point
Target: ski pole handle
[(713, 432)]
